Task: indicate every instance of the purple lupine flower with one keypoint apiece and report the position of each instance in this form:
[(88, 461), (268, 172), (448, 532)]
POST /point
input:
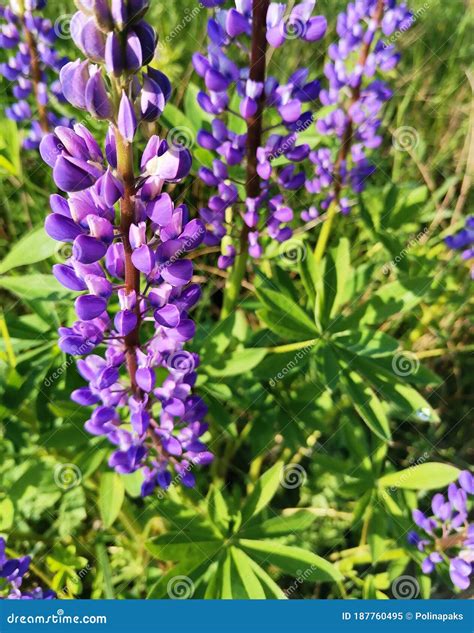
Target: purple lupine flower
[(355, 97), (228, 70), (12, 573), (33, 69), (132, 271), (464, 241), (448, 536)]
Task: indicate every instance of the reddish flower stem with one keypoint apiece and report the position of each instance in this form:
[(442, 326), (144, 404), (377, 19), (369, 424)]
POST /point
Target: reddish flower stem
[(254, 140), (132, 275), (35, 75)]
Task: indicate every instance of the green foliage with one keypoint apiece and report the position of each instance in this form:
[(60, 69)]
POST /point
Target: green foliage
[(227, 546)]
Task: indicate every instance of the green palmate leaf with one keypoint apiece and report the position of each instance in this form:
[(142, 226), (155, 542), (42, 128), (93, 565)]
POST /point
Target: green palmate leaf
[(246, 575), (174, 118), (280, 324), (428, 476), (292, 560), (239, 362), (327, 287), (389, 384), (367, 405), (105, 568), (329, 366), (194, 544), (295, 317), (264, 491), (271, 589), (217, 508), (214, 585), (279, 526), (342, 261), (33, 248), (396, 297), (111, 496), (309, 276), (217, 339), (30, 287), (390, 299), (179, 581), (367, 343)]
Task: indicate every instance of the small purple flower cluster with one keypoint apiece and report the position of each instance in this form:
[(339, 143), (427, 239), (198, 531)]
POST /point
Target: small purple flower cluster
[(448, 535), (464, 241), (12, 572), (33, 69), (355, 97), (133, 273), (226, 71)]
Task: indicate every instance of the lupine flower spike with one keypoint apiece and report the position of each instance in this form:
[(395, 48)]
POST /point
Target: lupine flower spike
[(33, 69), (238, 85), (355, 96), (447, 536), (12, 573), (131, 271), (464, 241), (235, 75)]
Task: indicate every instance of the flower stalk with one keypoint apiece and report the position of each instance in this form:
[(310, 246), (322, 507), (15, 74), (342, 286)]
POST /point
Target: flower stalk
[(125, 169), (346, 142), (254, 140)]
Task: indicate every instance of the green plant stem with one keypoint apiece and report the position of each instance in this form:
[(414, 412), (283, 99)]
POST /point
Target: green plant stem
[(234, 281), (292, 347), (325, 232), (254, 140)]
